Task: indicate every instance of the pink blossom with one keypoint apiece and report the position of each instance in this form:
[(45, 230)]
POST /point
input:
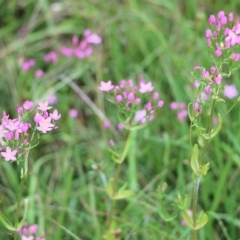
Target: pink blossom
[(218, 52), (45, 125), (27, 238), (33, 229), (208, 33), (73, 113), (9, 154), (2, 131), (208, 90), (160, 103), (43, 106), (52, 99), (75, 40), (51, 57), (155, 95), (94, 39), (137, 101), (37, 118), (107, 124), (120, 127), (140, 115), (181, 116), (39, 73), (145, 87), (119, 98), (12, 125), (212, 20), (55, 115), (218, 79), (230, 91), (230, 17), (20, 110), (111, 143), (106, 86), (28, 105)]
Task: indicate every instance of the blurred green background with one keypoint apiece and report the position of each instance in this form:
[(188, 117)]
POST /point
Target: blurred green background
[(158, 40)]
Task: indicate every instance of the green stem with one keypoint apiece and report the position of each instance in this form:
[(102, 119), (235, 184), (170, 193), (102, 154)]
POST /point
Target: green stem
[(116, 178), (18, 206), (197, 183)]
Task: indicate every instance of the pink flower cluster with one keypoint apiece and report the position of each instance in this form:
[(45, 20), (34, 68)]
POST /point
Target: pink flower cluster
[(30, 232), (80, 48), (139, 99), (180, 107), (14, 133), (223, 34)]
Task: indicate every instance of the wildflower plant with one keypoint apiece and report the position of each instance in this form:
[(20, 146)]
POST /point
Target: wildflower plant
[(222, 40), (136, 106), (17, 137)]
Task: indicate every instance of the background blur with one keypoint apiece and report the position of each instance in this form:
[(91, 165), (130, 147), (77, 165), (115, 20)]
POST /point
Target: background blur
[(157, 40)]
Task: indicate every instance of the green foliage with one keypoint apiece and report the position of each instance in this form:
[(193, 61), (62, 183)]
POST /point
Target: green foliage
[(160, 41)]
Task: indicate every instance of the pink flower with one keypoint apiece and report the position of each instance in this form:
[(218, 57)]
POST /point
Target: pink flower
[(2, 131), (106, 86), (145, 87), (52, 99), (208, 33), (12, 125), (39, 73), (43, 106), (155, 95), (33, 229), (28, 105), (160, 103), (140, 115), (73, 113), (94, 39), (9, 154), (230, 91), (51, 57), (37, 118), (55, 115), (111, 143), (27, 238), (45, 125), (119, 98), (107, 124)]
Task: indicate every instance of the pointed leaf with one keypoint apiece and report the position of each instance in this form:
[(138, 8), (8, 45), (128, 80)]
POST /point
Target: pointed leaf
[(123, 194), (109, 188), (204, 169), (187, 218), (202, 219), (194, 160), (216, 130)]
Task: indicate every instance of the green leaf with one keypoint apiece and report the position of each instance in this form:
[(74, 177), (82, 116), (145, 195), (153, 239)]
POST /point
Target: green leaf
[(123, 193), (187, 218), (216, 130), (190, 112), (194, 160), (202, 219), (204, 169), (109, 188), (7, 224)]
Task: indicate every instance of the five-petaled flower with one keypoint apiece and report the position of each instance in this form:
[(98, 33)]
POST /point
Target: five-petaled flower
[(145, 87), (9, 154), (43, 106), (106, 86)]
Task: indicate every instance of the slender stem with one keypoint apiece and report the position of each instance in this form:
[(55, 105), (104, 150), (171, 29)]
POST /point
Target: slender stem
[(197, 183), (18, 206), (115, 181)]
